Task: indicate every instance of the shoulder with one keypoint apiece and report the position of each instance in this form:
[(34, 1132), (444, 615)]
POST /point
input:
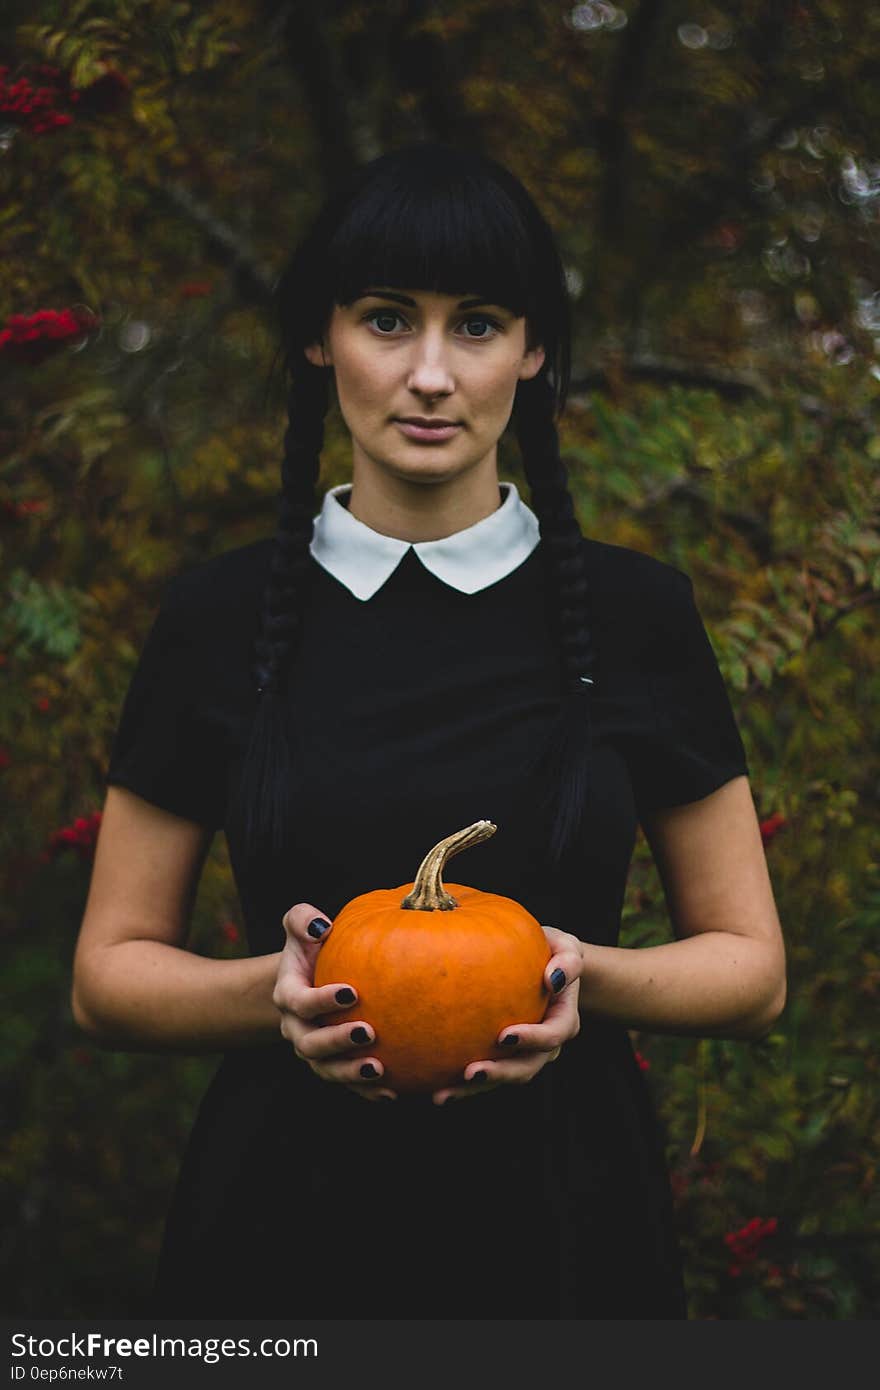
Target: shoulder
[(221, 588), (631, 586)]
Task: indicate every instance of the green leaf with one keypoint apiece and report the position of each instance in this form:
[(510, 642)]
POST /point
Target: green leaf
[(43, 616)]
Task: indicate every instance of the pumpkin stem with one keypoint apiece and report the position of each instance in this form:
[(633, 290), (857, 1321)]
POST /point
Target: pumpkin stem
[(428, 893)]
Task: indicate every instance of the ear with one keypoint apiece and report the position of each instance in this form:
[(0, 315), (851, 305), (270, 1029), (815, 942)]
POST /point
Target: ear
[(318, 355), (532, 363)]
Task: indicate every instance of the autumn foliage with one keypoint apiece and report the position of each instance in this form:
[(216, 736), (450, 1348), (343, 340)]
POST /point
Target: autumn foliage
[(715, 189)]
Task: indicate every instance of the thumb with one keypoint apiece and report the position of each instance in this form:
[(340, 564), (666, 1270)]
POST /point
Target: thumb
[(306, 924)]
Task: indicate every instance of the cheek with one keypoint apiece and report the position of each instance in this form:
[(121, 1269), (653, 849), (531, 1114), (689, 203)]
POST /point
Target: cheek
[(496, 387), (361, 381)]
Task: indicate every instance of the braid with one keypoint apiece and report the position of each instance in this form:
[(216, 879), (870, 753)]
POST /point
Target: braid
[(264, 793), (566, 765)]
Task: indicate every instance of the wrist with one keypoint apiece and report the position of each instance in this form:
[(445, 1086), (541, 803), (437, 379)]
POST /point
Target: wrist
[(592, 976)]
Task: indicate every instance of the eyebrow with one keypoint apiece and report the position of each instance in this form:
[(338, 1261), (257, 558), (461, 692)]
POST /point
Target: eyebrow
[(411, 303)]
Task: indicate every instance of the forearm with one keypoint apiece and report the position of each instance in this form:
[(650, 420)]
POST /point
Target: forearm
[(147, 996), (714, 984)]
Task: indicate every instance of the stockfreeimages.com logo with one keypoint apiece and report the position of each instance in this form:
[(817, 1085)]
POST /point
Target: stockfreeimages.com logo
[(94, 1344)]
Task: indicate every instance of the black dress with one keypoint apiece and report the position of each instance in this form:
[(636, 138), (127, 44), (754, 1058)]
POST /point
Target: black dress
[(417, 711)]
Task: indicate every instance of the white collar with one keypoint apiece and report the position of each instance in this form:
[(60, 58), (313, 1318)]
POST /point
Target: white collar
[(363, 559)]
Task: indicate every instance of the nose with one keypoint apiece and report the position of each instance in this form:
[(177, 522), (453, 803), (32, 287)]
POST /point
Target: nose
[(429, 372)]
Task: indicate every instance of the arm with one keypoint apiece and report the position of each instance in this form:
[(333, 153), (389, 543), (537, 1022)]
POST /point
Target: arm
[(135, 985), (137, 988), (725, 975)]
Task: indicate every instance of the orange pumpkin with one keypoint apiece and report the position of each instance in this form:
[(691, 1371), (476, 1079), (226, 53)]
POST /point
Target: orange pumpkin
[(439, 971)]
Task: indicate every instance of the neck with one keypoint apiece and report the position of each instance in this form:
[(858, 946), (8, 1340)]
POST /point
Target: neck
[(424, 509)]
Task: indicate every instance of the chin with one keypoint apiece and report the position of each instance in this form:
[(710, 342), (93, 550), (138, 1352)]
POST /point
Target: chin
[(427, 472), (420, 462)]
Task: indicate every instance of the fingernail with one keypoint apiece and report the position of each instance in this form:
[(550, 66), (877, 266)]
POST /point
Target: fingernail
[(317, 927), (359, 1035), (478, 1076), (345, 996), (557, 980), (510, 1040), (368, 1070)]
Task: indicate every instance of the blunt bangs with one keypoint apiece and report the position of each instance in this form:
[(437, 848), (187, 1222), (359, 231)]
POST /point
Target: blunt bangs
[(459, 238)]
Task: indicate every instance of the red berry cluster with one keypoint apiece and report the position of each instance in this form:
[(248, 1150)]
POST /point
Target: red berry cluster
[(17, 511), (33, 102), (36, 107), (744, 1245), (196, 289), (771, 826), (727, 235), (82, 837), (32, 337), (229, 931), (644, 1064)]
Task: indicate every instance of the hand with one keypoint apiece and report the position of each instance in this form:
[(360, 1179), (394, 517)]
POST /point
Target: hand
[(326, 1048), (536, 1043)]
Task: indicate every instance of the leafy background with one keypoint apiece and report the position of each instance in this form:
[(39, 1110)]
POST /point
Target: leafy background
[(713, 174)]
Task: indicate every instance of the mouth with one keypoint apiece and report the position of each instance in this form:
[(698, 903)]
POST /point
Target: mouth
[(427, 431)]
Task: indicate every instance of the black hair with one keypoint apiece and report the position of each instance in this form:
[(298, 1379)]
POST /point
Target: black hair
[(426, 216)]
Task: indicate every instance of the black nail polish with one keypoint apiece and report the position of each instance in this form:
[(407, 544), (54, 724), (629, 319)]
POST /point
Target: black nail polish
[(368, 1070), (557, 980), (511, 1040), (345, 996), (478, 1076), (317, 927), (359, 1035)]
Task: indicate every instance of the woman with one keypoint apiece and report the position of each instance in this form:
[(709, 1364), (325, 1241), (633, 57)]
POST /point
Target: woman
[(425, 652)]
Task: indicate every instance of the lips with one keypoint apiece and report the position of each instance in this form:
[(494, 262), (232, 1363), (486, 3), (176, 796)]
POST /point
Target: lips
[(429, 421), (427, 431)]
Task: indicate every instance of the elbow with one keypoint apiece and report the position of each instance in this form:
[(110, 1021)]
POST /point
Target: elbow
[(98, 1034), (770, 1003), (762, 1023), (86, 1016), (778, 1007), (81, 1016), (780, 997)]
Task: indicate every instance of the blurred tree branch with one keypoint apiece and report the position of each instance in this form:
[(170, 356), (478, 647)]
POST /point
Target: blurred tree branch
[(343, 133), (225, 242)]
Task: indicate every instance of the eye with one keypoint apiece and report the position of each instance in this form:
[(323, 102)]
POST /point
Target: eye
[(383, 320), (492, 324)]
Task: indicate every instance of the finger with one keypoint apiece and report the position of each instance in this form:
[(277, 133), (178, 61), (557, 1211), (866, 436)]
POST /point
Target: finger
[(372, 1092), (359, 1070), (304, 927), (334, 1040), (563, 971), (293, 994), (466, 1092), (476, 1082), (306, 924), (563, 941), (478, 1077), (484, 1076), (561, 1021), (327, 1043)]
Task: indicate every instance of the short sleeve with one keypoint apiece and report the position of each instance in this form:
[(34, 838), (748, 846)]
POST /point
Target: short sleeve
[(691, 744), (162, 749)]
